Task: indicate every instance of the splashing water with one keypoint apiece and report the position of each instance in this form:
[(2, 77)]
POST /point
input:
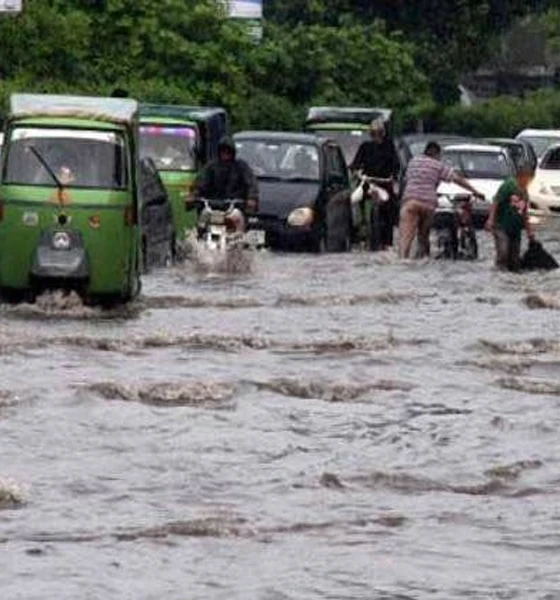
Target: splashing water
[(236, 260), (59, 304), (12, 495)]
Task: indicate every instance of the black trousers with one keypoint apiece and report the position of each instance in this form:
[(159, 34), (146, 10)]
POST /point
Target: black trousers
[(388, 217)]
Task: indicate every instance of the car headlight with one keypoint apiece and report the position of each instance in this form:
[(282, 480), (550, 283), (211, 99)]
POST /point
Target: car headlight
[(300, 217), (544, 190), (61, 241)]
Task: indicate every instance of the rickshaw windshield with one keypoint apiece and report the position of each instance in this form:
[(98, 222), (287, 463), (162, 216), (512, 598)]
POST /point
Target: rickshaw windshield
[(280, 160), (348, 140), (171, 148), (78, 157)]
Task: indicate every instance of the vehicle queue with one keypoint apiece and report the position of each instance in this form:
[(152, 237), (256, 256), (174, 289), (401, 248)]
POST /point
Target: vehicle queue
[(94, 191)]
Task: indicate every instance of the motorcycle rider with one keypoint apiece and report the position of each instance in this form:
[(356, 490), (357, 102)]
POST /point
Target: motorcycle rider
[(228, 177), (378, 158)]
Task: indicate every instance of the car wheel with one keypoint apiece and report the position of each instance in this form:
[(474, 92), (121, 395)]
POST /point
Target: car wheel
[(168, 256), (144, 255), (469, 244), (374, 229), (173, 248), (13, 296)]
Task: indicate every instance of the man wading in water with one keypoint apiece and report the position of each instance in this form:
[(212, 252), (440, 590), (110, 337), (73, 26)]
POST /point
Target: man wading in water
[(423, 176), (508, 217)]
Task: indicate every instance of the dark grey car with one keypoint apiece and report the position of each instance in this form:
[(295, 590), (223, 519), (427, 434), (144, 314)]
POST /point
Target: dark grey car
[(304, 190)]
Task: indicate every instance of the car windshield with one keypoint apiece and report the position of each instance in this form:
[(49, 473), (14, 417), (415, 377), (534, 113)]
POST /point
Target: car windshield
[(541, 143), (78, 157), (171, 148), (516, 151), (280, 160), (551, 160), (348, 140), (479, 164), (417, 147)]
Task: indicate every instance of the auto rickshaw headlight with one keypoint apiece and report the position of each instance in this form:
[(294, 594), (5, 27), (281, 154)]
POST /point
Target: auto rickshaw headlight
[(301, 217), (61, 241)]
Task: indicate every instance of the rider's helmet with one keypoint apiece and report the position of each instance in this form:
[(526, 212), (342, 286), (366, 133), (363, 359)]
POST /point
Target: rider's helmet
[(226, 145)]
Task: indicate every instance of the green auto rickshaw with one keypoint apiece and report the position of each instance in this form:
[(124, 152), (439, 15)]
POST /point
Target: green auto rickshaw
[(348, 126), (181, 140), (69, 201)]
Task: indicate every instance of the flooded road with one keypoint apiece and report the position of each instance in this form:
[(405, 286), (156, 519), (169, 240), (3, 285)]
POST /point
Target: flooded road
[(333, 427)]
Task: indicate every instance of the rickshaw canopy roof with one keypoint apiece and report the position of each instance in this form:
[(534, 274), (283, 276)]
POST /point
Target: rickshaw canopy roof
[(113, 110), (194, 113), (280, 137), (332, 114)]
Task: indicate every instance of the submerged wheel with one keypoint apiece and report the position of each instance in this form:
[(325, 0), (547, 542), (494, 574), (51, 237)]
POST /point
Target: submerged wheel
[(15, 296), (469, 244), (374, 229), (174, 256), (144, 255)]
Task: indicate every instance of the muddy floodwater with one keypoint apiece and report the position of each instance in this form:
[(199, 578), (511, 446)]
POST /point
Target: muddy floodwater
[(321, 427)]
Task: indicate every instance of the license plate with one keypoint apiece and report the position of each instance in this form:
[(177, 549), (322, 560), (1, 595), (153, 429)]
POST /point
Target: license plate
[(255, 237)]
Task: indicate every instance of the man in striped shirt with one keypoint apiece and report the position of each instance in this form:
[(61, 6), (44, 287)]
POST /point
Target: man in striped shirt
[(423, 176)]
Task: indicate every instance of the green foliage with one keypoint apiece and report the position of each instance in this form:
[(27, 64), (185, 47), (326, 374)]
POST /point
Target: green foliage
[(396, 53), (500, 117), (188, 51), (449, 37), (356, 64), (551, 24)]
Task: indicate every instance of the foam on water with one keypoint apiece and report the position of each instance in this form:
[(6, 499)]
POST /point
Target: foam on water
[(12, 495), (165, 394)]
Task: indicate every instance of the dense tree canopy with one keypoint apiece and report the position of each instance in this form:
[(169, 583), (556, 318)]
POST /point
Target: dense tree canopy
[(388, 52)]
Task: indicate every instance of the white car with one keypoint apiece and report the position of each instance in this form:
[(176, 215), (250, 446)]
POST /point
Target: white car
[(540, 139), (544, 191), (486, 167)]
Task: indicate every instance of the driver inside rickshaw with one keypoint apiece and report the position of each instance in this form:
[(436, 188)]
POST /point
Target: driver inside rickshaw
[(174, 153), (65, 175)]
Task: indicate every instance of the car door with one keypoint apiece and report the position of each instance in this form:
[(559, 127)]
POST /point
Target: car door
[(337, 179), (337, 184)]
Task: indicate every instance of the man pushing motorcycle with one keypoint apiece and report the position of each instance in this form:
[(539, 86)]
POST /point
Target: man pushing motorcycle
[(378, 160)]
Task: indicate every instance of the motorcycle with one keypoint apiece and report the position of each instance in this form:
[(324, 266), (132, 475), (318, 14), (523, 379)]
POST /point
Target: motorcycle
[(221, 224), (454, 230), (366, 200)]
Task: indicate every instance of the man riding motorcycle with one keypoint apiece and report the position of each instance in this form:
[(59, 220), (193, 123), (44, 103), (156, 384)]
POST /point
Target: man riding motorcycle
[(377, 158), (228, 178)]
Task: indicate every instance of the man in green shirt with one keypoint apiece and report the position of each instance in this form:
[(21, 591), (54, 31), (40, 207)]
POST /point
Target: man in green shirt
[(508, 217)]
